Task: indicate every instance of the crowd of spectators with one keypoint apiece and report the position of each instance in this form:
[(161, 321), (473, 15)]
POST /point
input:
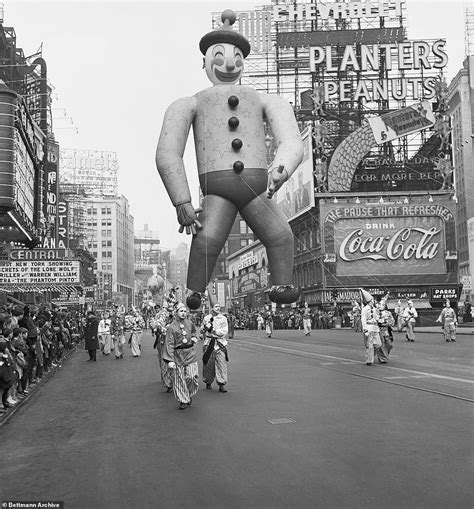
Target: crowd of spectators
[(33, 342), (291, 318)]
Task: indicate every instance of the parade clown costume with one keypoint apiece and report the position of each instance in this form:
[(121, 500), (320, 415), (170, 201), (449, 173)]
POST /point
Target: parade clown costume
[(229, 137)]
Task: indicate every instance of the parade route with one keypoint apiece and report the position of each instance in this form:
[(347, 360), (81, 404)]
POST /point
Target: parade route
[(305, 424)]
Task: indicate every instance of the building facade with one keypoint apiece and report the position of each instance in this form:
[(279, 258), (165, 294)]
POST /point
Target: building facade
[(461, 109), (110, 240)]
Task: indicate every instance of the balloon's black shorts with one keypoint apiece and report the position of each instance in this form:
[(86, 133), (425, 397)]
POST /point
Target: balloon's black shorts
[(239, 188)]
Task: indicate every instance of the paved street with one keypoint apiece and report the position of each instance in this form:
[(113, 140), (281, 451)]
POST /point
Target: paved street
[(305, 424)]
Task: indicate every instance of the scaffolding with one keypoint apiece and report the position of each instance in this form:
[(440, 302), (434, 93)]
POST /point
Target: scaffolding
[(469, 31), (394, 76)]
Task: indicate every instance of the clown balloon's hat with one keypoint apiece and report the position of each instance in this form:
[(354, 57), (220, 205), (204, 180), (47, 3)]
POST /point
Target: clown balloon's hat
[(365, 296), (225, 34)]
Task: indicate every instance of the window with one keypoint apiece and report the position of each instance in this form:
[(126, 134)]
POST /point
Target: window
[(109, 243), (104, 210), (243, 242), (243, 227), (109, 210), (104, 243)]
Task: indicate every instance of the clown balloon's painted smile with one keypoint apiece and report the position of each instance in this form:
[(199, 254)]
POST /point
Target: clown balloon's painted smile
[(228, 77), (223, 63)]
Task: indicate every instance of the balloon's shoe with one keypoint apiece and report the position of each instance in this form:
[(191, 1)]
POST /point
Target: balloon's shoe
[(283, 294), (193, 300)]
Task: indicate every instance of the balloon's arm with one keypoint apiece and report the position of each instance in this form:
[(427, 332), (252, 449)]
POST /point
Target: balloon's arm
[(282, 121), (169, 153)]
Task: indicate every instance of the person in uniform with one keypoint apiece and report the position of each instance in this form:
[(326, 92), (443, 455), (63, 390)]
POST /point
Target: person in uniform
[(229, 138), (449, 322), (180, 355)]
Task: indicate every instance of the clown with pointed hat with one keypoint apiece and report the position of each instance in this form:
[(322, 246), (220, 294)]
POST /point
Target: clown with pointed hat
[(370, 326)]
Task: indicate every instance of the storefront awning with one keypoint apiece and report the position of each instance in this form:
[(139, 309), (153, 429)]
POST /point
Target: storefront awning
[(31, 287), (417, 303)]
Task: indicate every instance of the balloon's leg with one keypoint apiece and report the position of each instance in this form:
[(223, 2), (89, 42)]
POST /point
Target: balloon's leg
[(217, 218), (271, 226)]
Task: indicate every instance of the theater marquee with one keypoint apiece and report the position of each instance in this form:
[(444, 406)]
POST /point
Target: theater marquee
[(388, 244)]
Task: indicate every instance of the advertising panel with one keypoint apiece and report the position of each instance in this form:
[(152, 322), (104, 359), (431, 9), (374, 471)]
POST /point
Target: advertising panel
[(297, 195), (387, 243), (63, 228), (50, 200), (44, 271), (95, 171), (7, 131), (421, 56), (398, 123), (24, 178)]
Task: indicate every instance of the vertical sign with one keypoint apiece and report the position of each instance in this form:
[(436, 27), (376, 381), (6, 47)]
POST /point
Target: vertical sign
[(63, 234), (50, 199)]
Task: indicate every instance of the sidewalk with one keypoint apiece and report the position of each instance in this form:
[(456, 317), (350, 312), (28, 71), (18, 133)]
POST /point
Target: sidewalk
[(5, 414), (437, 330)]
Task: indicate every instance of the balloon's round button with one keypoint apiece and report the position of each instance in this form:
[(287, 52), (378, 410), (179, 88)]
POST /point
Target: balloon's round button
[(237, 144), (233, 101), (238, 166), (233, 122)]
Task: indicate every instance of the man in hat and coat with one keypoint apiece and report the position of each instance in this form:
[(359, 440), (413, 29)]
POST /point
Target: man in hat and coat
[(180, 355), (91, 336), (229, 137), (370, 328)]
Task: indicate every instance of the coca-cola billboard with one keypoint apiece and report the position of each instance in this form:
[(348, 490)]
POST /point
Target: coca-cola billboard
[(389, 243)]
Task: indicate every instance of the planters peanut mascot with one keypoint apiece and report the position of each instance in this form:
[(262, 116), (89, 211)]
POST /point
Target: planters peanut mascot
[(229, 137)]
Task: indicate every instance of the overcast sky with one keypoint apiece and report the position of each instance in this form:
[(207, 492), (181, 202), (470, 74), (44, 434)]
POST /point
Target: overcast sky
[(116, 66)]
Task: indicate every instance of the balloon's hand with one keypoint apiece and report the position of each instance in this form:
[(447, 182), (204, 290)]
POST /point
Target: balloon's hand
[(187, 218), (276, 178)]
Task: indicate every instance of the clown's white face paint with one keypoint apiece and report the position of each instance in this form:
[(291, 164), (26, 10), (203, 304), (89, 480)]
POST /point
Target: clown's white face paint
[(224, 64)]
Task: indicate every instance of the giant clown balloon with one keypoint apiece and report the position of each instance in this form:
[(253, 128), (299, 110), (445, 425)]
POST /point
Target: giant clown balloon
[(229, 137)]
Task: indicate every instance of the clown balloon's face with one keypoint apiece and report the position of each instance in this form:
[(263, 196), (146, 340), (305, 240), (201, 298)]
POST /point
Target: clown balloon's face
[(224, 63)]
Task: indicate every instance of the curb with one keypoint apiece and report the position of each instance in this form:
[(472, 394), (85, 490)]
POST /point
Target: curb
[(4, 418)]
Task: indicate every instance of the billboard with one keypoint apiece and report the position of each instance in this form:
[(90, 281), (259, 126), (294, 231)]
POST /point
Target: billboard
[(50, 200), (420, 56), (398, 123), (44, 271), (297, 195), (388, 243)]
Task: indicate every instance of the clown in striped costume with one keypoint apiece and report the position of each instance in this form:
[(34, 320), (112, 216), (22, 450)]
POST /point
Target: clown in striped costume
[(180, 355)]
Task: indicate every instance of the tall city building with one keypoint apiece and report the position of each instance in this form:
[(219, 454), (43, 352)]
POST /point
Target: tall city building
[(110, 240), (461, 109), (178, 271)]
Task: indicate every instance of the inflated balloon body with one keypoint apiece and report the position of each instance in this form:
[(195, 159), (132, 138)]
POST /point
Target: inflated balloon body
[(155, 284), (229, 139)]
